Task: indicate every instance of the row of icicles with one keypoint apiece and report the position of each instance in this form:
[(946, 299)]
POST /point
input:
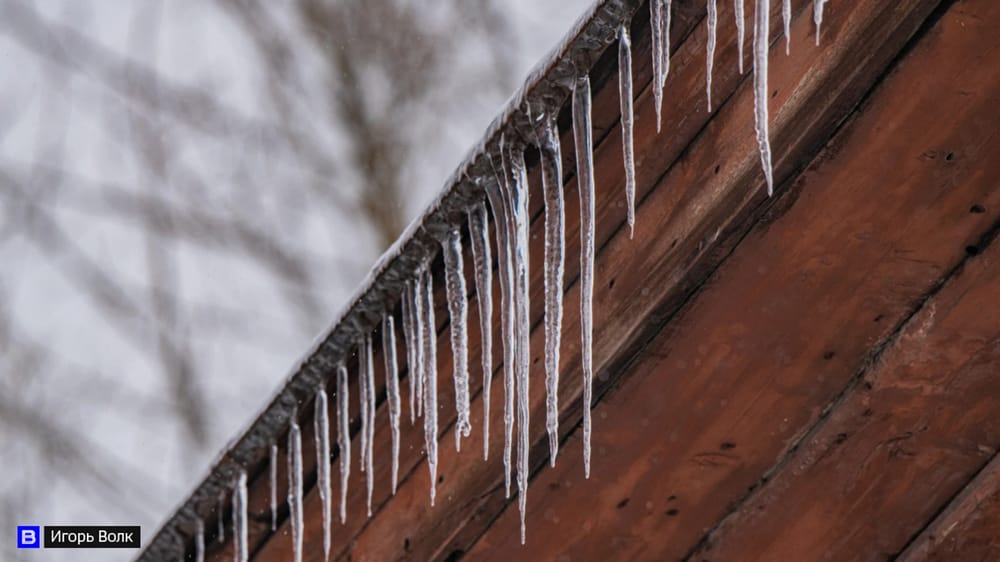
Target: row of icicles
[(508, 202)]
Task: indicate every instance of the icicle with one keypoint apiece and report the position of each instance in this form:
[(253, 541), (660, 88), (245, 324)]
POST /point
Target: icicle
[(818, 16), (221, 531), (417, 308), (479, 235), (343, 436), (760, 46), (409, 340), (429, 338), (517, 193), (240, 550), (585, 176), (369, 425), (199, 540), (656, 19), (273, 470), (786, 17), (498, 203), (392, 389), (628, 143), (665, 38), (322, 430), (740, 31), (713, 24), (555, 250), (295, 486), (363, 404), (458, 311)]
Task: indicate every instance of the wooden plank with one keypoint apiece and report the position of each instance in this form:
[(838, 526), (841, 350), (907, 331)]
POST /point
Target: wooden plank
[(802, 305), (969, 528), (687, 92), (412, 456), (898, 446), (815, 87)]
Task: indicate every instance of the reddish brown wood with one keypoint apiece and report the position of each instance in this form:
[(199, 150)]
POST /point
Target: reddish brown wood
[(894, 451), (799, 308), (686, 212), (969, 529)]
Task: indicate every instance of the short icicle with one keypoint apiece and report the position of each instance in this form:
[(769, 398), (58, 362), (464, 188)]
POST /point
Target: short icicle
[(273, 477), (343, 436), (392, 390), (369, 426), (555, 258), (786, 18), (818, 17), (517, 192), (665, 39), (628, 142), (479, 235), (583, 138), (429, 338), (656, 19), (458, 312), (240, 549), (295, 486), (199, 540), (220, 534), (740, 14), (321, 422), (496, 192), (760, 47), (713, 25)]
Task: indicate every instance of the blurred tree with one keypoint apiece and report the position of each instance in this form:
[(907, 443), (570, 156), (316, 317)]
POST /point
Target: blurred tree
[(187, 192)]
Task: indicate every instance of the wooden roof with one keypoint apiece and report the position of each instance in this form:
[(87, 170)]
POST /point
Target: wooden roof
[(810, 376)]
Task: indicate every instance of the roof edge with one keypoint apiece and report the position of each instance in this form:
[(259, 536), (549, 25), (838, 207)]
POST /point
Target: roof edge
[(545, 90)]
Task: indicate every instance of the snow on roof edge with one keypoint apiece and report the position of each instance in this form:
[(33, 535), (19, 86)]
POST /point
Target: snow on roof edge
[(545, 90)]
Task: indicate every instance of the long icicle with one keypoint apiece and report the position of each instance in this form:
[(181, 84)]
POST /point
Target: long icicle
[(585, 176), (458, 311), (713, 25), (740, 14), (496, 192), (392, 390), (240, 550), (761, 29), (295, 486), (818, 17), (479, 235), (656, 19), (429, 339), (555, 259), (321, 422), (273, 478), (343, 436), (416, 290), (407, 305), (517, 187), (199, 540), (369, 426), (786, 18), (628, 142), (363, 405)]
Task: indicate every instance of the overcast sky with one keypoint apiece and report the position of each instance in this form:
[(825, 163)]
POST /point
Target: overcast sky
[(65, 139)]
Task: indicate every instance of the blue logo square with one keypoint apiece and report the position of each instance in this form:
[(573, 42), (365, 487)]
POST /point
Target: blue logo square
[(29, 536)]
